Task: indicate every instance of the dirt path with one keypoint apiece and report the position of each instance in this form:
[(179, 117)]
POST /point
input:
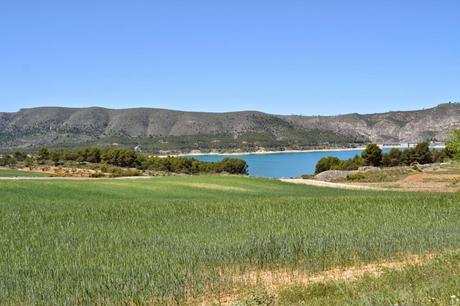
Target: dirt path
[(275, 280), (330, 184)]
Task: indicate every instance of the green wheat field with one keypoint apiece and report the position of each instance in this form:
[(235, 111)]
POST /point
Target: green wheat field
[(171, 240), (17, 173)]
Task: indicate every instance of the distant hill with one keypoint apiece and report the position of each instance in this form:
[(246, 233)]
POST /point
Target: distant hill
[(161, 129)]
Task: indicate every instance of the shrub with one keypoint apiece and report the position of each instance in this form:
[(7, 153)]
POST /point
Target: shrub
[(372, 156), (127, 158), (333, 163), (260, 297), (233, 166), (441, 155), (8, 160), (415, 167), (356, 177), (350, 164), (28, 162), (97, 175), (121, 157), (19, 156), (326, 163), (70, 155), (119, 172), (192, 166), (43, 154), (55, 156)]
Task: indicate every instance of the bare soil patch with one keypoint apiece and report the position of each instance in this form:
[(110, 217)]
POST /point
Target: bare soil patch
[(274, 280), (436, 182)]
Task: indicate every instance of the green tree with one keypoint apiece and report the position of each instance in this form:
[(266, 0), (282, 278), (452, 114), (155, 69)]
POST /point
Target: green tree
[(349, 164), (121, 157), (8, 160), (43, 154), (233, 166), (453, 145), (70, 155), (422, 154), (419, 154), (392, 158), (20, 156), (82, 155), (440, 156), (93, 155), (55, 156), (326, 163), (406, 157), (372, 155), (28, 162)]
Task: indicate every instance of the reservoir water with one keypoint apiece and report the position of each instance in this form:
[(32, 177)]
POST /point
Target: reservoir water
[(283, 164)]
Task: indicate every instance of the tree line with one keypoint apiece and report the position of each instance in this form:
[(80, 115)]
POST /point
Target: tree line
[(126, 158), (373, 156)]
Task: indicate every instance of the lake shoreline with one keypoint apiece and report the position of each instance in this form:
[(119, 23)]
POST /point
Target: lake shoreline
[(191, 154), (267, 152)]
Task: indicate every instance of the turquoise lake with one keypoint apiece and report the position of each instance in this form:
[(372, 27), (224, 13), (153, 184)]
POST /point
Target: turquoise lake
[(283, 164)]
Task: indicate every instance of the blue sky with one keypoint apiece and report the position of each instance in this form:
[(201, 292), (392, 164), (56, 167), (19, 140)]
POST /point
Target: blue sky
[(286, 57)]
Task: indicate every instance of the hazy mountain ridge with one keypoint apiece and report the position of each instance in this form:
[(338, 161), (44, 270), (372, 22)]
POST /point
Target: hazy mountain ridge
[(75, 126)]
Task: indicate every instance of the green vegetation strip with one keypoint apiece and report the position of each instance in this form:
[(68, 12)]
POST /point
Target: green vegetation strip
[(170, 238), (17, 173)]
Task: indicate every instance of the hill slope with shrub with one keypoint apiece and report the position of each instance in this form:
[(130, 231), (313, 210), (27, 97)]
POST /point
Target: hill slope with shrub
[(160, 129)]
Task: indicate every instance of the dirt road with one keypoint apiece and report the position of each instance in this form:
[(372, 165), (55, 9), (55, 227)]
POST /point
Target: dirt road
[(330, 184)]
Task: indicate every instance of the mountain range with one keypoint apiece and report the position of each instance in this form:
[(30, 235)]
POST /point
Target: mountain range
[(160, 129)]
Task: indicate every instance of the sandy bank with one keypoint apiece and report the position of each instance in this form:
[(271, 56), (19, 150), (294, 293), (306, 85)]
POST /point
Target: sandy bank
[(269, 152), (289, 151)]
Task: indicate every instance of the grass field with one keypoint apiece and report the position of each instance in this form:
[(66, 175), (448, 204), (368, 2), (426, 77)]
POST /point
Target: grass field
[(177, 239), (17, 173)]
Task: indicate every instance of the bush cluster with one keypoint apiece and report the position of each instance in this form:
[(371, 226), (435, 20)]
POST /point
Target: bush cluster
[(11, 160), (193, 166), (373, 156), (127, 158), (334, 163)]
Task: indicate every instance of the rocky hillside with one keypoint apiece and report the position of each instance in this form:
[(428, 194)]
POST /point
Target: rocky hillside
[(160, 129)]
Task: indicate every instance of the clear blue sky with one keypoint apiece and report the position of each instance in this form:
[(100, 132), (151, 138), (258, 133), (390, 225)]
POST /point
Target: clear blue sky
[(284, 56)]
